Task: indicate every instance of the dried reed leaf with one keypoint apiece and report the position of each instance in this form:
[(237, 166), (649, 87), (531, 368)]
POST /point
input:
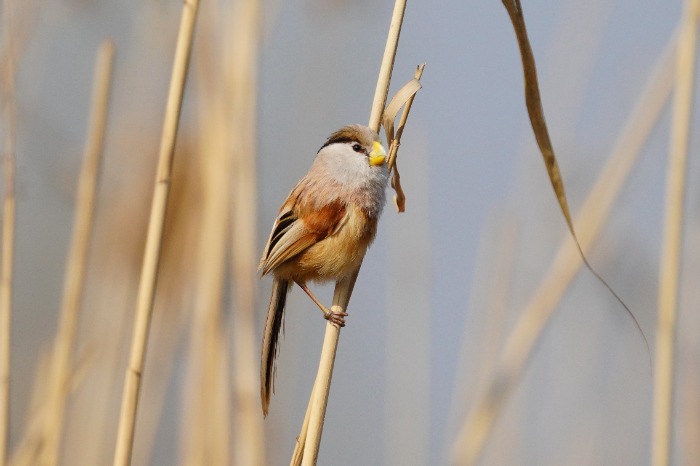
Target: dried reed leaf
[(539, 127), (403, 98), (400, 98), (399, 197)]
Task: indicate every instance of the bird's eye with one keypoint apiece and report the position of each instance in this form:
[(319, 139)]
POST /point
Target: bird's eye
[(357, 148)]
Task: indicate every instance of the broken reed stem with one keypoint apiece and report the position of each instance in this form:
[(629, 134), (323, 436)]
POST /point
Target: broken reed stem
[(343, 288), (8, 231), (61, 367), (673, 235), (151, 258), (529, 329)]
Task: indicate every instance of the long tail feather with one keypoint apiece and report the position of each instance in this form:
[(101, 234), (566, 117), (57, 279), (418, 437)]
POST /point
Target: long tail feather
[(273, 325)]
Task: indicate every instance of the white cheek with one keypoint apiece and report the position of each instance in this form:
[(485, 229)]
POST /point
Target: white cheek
[(353, 170), (350, 167)]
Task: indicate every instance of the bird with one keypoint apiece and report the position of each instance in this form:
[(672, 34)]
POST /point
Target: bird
[(323, 230)]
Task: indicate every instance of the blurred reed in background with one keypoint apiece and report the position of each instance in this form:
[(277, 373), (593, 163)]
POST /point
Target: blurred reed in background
[(578, 391)]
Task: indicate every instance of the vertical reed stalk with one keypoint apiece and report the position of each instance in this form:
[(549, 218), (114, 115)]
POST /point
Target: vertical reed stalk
[(205, 430), (147, 284), (529, 329), (61, 367), (387, 66), (673, 233), (322, 384), (241, 69), (8, 231), (343, 288)]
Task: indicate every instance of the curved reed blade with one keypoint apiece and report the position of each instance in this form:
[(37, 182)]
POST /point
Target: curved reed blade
[(539, 127)]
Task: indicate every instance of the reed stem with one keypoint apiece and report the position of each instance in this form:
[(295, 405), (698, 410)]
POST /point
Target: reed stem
[(672, 238), (343, 289), (242, 74), (8, 231), (61, 366), (147, 284)]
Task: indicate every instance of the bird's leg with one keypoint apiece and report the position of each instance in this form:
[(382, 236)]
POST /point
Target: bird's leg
[(337, 318)]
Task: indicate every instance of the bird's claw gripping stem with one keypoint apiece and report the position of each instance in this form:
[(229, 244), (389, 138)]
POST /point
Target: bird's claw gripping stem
[(336, 318)]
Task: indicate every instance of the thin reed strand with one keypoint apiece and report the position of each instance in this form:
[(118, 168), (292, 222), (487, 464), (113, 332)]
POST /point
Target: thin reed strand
[(151, 258), (241, 69), (8, 230), (672, 237), (74, 279)]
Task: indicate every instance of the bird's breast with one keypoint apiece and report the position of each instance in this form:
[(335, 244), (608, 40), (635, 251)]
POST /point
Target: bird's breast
[(338, 254)]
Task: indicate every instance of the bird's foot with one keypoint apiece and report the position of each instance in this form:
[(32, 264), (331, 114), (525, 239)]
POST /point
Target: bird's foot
[(336, 318)]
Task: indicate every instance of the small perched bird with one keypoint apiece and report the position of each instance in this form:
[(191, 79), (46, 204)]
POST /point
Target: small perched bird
[(323, 229)]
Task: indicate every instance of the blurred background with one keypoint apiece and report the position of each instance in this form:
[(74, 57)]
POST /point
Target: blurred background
[(441, 288)]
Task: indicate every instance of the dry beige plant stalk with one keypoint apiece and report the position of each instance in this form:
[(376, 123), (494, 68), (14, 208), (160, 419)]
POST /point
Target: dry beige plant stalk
[(8, 226), (144, 306), (61, 365), (241, 72), (529, 329), (308, 442), (673, 234), (206, 426), (228, 145)]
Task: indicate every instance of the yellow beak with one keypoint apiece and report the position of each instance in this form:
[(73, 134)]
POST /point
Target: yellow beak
[(378, 154)]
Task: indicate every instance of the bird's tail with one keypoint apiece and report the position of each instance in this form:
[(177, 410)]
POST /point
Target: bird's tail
[(273, 325)]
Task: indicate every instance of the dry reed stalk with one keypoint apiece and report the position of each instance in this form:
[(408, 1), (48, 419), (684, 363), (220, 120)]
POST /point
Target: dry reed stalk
[(387, 66), (205, 430), (343, 289), (8, 229), (151, 258), (175, 294), (298, 454), (241, 72), (27, 451), (673, 235), (322, 384), (535, 316), (74, 279), (486, 321)]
